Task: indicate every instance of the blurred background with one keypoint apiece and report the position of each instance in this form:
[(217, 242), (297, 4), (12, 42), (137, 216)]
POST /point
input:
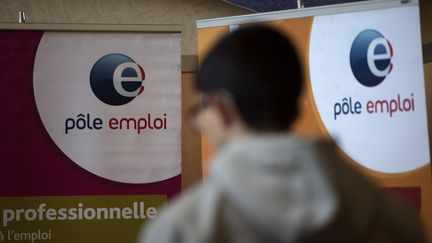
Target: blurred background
[(183, 13)]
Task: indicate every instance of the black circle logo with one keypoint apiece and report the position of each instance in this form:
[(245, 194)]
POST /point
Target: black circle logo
[(116, 79)]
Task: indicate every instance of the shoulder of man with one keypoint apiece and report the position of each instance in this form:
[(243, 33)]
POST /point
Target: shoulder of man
[(366, 209), (401, 221)]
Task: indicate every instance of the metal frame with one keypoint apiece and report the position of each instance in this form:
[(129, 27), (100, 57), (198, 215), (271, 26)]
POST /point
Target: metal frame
[(304, 12), (154, 28), (427, 53)]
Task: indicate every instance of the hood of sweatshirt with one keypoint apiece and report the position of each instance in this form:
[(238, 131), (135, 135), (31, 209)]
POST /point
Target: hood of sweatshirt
[(277, 183)]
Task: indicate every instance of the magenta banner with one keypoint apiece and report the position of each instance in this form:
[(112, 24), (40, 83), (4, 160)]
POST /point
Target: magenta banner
[(90, 121)]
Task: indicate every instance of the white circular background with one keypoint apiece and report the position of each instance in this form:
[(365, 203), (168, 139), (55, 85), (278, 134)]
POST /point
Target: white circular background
[(376, 141), (62, 90)]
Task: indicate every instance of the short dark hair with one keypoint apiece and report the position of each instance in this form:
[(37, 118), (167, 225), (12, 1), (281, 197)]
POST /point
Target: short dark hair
[(260, 68)]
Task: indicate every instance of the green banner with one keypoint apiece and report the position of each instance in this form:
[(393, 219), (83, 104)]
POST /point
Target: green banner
[(72, 219)]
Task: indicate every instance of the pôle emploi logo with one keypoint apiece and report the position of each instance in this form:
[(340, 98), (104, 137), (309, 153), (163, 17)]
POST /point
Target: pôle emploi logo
[(370, 58), (116, 80), (371, 63)]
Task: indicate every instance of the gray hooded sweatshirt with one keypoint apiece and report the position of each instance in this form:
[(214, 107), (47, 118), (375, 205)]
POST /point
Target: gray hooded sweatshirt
[(282, 188)]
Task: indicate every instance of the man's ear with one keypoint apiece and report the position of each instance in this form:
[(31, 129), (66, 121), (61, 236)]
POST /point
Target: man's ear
[(226, 112)]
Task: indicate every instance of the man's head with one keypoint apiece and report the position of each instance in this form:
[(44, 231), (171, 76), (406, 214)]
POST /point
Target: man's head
[(250, 83)]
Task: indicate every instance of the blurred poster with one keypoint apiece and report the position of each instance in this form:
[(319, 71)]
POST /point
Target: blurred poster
[(364, 88), (91, 133)]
